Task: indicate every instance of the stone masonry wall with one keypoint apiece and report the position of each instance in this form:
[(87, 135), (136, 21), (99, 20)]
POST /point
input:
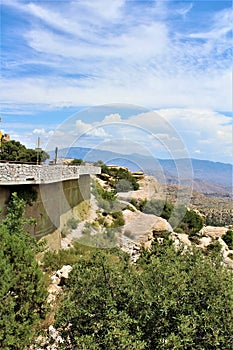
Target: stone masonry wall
[(39, 174)]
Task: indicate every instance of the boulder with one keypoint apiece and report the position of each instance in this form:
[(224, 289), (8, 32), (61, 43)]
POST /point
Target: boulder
[(183, 238), (204, 242), (144, 226), (63, 274), (213, 232)]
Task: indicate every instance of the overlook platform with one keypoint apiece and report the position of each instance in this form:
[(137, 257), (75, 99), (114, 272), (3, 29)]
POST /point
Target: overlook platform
[(21, 174)]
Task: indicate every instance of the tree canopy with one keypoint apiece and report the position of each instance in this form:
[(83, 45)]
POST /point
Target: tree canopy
[(22, 287), (168, 300), (15, 151)]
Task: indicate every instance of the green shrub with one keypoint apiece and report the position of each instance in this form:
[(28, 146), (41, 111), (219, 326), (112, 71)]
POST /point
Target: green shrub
[(72, 223), (158, 207), (179, 230), (27, 193), (138, 203), (109, 234), (214, 247), (53, 260), (124, 185), (104, 198), (87, 228), (76, 162), (173, 300), (228, 239), (191, 223), (65, 231), (118, 219), (120, 178), (22, 287)]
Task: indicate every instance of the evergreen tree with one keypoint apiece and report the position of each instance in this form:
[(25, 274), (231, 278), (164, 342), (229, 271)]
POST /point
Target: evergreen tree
[(100, 306), (15, 151), (22, 288), (168, 300)]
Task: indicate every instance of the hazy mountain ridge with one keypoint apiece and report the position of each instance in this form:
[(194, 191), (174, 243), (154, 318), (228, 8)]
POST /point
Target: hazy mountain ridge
[(208, 176)]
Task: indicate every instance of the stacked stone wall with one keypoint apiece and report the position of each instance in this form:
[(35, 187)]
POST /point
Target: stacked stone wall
[(39, 174)]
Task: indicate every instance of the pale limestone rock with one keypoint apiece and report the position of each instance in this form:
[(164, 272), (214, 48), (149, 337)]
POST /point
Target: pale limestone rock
[(223, 244), (141, 225), (64, 271), (149, 189), (213, 232), (228, 262), (204, 242), (230, 252), (58, 279), (147, 245), (184, 238)]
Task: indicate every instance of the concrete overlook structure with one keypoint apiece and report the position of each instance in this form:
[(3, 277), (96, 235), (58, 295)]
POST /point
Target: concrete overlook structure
[(62, 191), (19, 174)]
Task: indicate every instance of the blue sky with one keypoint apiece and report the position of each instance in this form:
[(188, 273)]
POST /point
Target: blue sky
[(60, 57)]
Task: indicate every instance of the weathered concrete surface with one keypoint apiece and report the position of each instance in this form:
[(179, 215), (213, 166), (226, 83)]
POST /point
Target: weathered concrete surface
[(56, 203)]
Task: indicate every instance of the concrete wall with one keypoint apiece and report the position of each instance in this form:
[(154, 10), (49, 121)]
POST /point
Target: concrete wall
[(56, 203)]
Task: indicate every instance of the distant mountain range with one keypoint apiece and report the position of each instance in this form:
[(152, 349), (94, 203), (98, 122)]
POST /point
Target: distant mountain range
[(207, 176)]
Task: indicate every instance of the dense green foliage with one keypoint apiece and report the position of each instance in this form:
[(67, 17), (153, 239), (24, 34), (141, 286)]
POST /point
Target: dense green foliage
[(101, 193), (168, 300), (77, 161), (106, 199), (26, 192), (22, 288), (158, 207), (54, 260), (15, 151), (228, 238), (119, 179), (191, 223), (95, 313)]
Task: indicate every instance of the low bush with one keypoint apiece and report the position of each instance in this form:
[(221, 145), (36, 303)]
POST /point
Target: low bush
[(228, 239), (65, 231), (118, 219), (76, 162), (72, 223)]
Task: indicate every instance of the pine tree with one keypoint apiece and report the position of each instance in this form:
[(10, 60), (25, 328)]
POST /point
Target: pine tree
[(22, 288)]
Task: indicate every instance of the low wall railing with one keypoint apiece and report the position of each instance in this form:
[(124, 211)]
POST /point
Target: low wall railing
[(13, 174)]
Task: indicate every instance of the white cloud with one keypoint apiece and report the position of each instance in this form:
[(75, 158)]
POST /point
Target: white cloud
[(39, 131), (222, 25), (123, 56), (131, 53), (165, 133), (112, 118), (184, 10), (174, 132), (204, 130), (82, 127), (98, 132), (99, 9)]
